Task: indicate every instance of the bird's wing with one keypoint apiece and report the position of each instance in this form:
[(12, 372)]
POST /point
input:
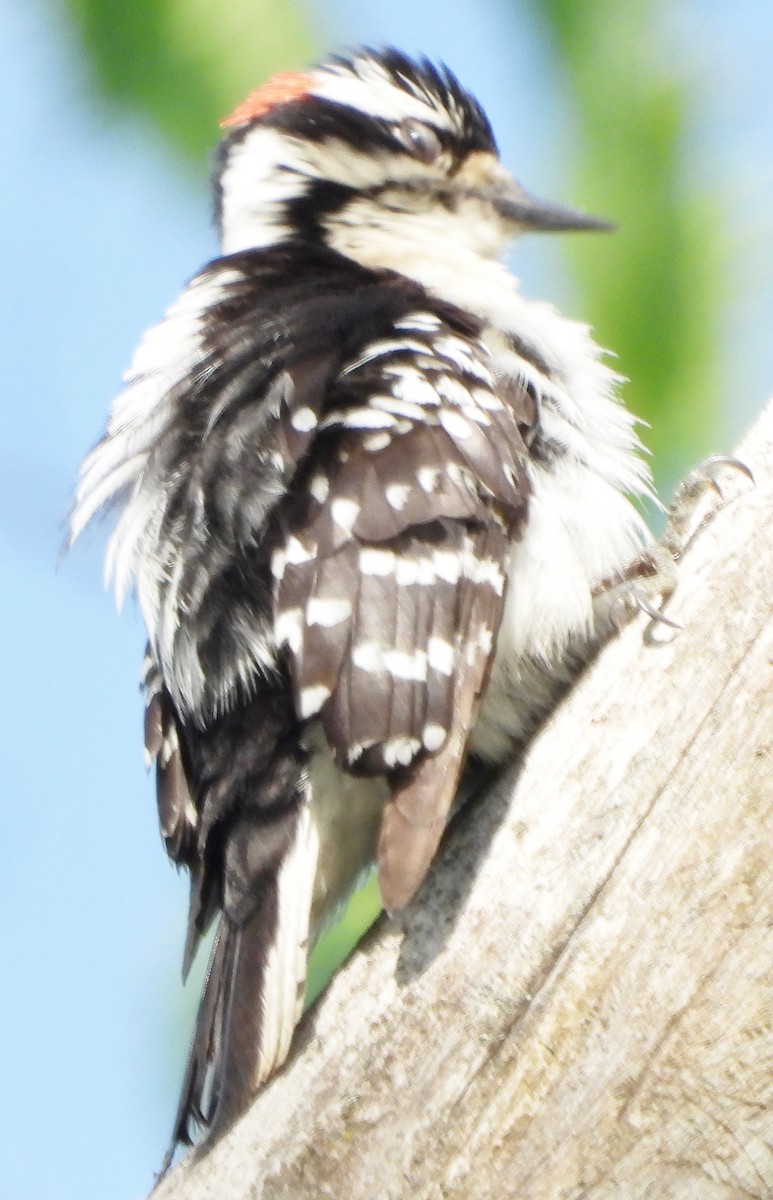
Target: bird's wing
[(390, 571)]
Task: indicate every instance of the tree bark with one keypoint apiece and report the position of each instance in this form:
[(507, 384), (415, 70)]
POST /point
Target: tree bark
[(579, 1003)]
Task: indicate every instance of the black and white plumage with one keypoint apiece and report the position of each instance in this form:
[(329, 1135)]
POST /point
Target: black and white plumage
[(366, 493)]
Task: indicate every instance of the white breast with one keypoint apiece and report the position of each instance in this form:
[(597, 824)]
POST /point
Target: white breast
[(581, 529)]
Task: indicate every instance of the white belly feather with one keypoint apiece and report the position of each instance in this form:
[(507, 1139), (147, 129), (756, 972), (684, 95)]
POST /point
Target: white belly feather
[(580, 531)]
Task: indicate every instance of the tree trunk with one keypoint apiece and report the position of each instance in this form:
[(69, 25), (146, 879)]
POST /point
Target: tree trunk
[(579, 1003)]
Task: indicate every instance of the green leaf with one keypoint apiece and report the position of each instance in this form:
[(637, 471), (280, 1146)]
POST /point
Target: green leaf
[(187, 63), (653, 293), (335, 946)]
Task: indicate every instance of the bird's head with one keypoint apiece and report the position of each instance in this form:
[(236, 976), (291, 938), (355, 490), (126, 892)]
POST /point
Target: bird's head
[(382, 157)]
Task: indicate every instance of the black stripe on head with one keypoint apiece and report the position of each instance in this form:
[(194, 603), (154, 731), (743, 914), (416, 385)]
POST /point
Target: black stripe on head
[(315, 119)]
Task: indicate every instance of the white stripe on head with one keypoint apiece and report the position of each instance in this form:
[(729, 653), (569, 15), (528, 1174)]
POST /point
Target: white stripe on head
[(264, 172), (367, 85)]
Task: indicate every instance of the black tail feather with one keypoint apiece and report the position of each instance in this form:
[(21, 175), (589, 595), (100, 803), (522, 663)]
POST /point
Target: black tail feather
[(252, 997), (202, 1084)]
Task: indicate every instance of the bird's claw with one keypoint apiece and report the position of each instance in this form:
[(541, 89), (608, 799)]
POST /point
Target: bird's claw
[(687, 515), (643, 586), (642, 601)]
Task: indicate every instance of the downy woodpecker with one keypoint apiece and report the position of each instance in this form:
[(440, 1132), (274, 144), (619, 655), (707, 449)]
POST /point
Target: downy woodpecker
[(367, 496)]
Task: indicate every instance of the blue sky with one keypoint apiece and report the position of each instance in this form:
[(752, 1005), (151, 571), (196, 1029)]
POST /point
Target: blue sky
[(100, 227)]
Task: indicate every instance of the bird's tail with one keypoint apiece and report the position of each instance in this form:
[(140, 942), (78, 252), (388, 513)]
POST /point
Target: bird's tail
[(252, 998)]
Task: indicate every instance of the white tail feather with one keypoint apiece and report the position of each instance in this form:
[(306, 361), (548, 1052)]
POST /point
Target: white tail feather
[(284, 981)]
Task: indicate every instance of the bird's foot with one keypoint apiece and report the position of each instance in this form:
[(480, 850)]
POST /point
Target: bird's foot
[(644, 585), (649, 580)]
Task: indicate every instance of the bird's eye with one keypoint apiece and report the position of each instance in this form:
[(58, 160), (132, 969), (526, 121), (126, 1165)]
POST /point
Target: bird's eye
[(419, 139)]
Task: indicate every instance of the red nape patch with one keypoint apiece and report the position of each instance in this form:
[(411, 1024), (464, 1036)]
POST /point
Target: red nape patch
[(289, 85)]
